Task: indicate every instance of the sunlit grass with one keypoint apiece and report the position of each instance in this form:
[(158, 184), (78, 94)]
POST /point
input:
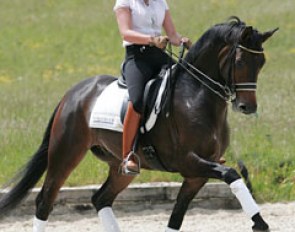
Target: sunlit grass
[(48, 46)]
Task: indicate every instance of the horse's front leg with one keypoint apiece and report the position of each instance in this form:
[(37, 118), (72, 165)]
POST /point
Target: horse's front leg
[(190, 187), (194, 166)]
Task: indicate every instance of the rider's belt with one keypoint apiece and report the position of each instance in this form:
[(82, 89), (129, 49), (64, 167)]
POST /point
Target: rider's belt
[(131, 49)]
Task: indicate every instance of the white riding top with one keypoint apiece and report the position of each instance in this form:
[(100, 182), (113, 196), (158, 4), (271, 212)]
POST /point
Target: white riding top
[(146, 19)]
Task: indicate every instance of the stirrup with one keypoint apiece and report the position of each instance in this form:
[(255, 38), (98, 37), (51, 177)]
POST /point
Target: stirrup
[(124, 168)]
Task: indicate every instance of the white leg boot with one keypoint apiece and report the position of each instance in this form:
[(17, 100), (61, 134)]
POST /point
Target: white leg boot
[(108, 220), (39, 225), (245, 198)]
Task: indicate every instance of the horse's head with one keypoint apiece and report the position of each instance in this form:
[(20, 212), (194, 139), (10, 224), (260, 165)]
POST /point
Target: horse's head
[(227, 59), (240, 64)]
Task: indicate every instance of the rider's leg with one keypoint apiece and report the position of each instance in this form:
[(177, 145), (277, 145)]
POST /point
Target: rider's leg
[(140, 66), (131, 125), (137, 73)]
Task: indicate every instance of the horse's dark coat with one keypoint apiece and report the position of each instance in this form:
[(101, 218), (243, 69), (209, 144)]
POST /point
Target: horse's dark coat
[(190, 141)]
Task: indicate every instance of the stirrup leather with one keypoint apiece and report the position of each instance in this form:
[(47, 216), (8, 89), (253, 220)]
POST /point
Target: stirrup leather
[(124, 170)]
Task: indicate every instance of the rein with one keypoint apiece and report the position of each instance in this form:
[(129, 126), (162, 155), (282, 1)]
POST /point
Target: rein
[(227, 93)]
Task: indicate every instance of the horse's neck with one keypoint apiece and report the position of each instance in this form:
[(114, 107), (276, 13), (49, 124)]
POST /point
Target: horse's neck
[(193, 97), (208, 64)]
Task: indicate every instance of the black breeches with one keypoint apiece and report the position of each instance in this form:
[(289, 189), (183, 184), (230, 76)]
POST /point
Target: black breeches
[(142, 63)]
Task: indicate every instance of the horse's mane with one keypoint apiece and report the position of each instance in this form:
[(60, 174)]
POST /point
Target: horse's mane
[(224, 33)]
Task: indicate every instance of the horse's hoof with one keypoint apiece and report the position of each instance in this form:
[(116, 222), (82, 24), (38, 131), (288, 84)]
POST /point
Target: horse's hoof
[(260, 230)]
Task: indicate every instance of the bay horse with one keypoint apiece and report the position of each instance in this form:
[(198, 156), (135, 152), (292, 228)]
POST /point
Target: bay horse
[(222, 66)]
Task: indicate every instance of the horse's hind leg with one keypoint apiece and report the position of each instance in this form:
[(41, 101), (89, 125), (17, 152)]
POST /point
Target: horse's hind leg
[(103, 199), (66, 150), (60, 166), (190, 187)]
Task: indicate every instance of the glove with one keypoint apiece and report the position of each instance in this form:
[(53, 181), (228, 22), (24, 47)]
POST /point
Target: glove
[(159, 41)]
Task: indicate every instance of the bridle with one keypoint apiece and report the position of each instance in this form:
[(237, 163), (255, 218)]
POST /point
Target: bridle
[(228, 91), (250, 50), (244, 86), (247, 86)]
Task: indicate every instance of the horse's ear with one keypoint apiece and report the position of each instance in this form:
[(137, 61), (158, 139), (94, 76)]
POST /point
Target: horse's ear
[(268, 34), (247, 32)]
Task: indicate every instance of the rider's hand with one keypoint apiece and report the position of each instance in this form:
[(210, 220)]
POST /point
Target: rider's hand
[(186, 42), (159, 41)]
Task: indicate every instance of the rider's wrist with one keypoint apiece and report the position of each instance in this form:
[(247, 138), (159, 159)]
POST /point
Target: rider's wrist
[(152, 41), (180, 40)]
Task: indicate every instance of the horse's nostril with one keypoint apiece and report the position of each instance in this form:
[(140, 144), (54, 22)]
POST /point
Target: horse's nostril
[(242, 107), (246, 108)]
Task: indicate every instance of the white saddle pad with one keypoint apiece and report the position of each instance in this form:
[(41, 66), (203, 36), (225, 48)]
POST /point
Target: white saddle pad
[(106, 111)]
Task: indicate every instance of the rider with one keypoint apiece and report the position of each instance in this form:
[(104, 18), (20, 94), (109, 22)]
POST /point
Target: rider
[(140, 24)]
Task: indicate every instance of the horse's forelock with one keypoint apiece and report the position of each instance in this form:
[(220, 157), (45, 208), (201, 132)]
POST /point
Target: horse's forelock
[(236, 31), (231, 31)]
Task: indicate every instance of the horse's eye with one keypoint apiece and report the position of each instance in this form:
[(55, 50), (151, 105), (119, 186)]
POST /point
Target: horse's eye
[(240, 63)]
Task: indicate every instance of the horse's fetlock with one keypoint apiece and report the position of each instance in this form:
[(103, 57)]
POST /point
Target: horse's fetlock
[(99, 203), (230, 176), (43, 211), (95, 203)]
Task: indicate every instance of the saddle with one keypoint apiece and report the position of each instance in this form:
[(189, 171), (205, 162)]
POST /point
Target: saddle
[(154, 96), (109, 110)]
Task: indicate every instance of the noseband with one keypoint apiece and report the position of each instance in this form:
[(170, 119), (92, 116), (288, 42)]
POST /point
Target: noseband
[(228, 91)]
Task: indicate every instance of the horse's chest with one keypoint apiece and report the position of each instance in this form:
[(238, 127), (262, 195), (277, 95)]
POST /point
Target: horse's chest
[(220, 142), (211, 144)]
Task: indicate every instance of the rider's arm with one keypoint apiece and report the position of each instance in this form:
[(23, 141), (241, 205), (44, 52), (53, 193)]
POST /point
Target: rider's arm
[(123, 16), (175, 38), (170, 30)]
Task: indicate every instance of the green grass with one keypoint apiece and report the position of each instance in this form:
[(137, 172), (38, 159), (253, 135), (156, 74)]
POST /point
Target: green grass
[(48, 46)]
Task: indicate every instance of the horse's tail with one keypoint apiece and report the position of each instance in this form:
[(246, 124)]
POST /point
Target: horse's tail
[(28, 177)]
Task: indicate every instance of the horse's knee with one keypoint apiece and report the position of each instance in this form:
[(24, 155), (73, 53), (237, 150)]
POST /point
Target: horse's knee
[(230, 175)]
